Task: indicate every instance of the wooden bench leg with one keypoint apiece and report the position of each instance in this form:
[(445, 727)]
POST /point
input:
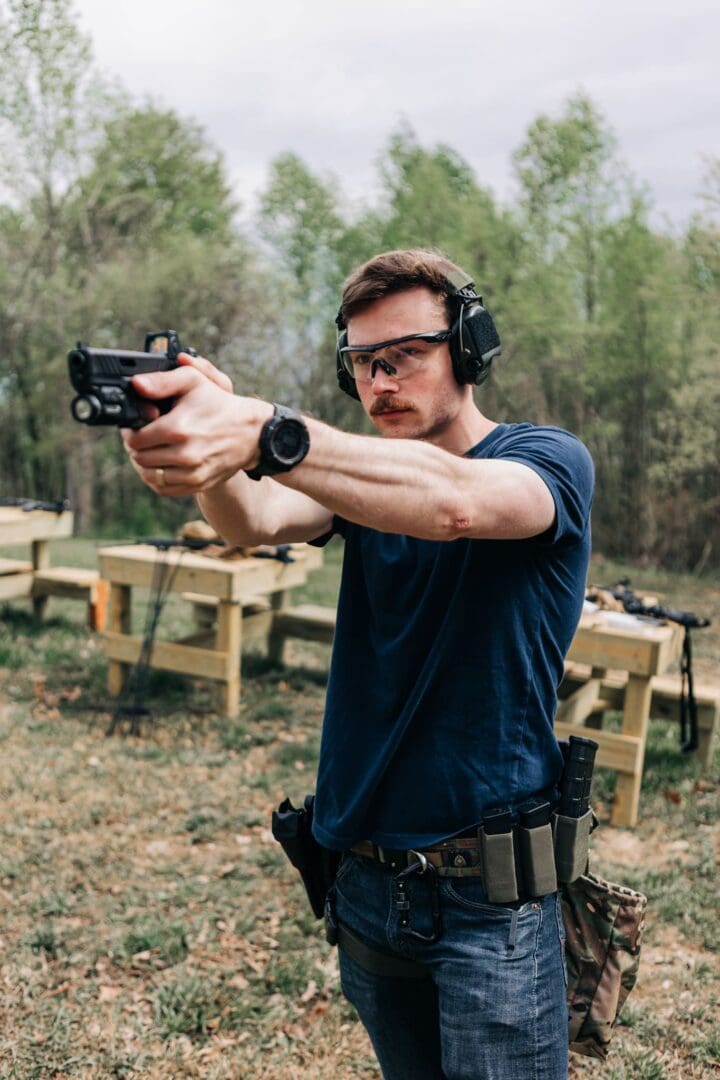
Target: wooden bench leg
[(279, 601), (41, 561), (228, 640), (636, 715), (98, 605), (120, 623)]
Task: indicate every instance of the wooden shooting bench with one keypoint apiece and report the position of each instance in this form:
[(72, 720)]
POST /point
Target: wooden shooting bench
[(631, 653), (664, 704), (35, 578), (233, 600)]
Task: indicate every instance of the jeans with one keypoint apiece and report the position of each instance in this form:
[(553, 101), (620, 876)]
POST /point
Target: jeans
[(493, 1007)]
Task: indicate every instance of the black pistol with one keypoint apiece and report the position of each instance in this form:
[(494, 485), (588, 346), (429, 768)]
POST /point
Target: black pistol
[(102, 379)]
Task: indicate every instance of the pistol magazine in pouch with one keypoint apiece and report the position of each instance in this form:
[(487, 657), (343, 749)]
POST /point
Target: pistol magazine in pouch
[(572, 836), (536, 849), (529, 857), (497, 849)]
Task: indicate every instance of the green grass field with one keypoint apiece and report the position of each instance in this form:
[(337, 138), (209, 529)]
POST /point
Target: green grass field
[(152, 928)]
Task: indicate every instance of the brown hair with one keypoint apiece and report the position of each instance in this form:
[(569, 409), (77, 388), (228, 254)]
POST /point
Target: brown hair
[(393, 272)]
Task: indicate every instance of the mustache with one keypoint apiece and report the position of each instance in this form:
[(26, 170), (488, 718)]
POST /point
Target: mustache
[(388, 404)]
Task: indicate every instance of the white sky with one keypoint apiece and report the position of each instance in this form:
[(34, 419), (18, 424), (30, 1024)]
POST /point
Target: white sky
[(331, 80)]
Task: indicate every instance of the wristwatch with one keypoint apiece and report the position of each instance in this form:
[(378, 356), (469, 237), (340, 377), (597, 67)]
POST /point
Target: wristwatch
[(284, 442)]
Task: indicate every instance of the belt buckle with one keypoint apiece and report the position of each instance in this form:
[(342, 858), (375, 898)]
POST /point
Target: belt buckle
[(422, 860), (400, 858)]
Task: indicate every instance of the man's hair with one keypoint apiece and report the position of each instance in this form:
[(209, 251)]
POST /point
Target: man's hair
[(393, 272)]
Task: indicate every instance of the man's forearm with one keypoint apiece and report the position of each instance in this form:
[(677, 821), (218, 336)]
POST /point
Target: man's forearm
[(412, 487), (249, 512)]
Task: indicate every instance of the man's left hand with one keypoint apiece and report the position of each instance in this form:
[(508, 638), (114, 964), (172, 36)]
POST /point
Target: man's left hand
[(208, 435)]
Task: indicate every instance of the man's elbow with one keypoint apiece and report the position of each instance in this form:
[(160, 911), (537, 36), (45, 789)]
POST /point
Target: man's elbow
[(499, 520)]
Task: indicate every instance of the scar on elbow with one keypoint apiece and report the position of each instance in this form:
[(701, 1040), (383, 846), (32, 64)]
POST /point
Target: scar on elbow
[(459, 525)]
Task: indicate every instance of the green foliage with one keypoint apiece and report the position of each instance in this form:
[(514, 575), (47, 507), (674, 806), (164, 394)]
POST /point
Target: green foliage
[(50, 97), (301, 222), (300, 218), (166, 941), (432, 199), (184, 1007), (44, 940), (120, 219), (152, 176)]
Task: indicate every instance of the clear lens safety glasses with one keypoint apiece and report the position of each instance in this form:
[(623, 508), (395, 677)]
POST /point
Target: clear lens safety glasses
[(403, 356)]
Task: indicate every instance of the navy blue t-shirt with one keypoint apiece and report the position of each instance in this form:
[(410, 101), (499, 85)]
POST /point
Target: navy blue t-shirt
[(446, 662)]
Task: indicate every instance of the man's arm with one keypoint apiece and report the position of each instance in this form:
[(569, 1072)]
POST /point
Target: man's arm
[(394, 485), (411, 487), (249, 512)]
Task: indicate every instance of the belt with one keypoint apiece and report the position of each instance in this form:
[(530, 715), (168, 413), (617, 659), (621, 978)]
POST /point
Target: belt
[(460, 857)]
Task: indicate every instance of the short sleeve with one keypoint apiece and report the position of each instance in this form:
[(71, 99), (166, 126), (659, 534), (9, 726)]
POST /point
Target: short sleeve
[(565, 465), (336, 529)]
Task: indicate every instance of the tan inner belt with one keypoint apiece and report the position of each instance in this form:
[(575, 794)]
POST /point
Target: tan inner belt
[(434, 855)]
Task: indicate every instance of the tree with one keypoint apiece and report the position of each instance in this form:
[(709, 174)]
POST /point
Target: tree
[(152, 176), (571, 185), (120, 220), (686, 460), (431, 198), (302, 224), (605, 343), (50, 101)]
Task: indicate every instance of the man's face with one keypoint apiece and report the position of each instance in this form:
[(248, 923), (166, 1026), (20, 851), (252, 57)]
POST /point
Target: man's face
[(424, 404)]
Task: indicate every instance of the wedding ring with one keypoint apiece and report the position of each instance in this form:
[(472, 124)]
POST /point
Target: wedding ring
[(160, 477)]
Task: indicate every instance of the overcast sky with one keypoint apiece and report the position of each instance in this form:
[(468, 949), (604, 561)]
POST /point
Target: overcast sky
[(331, 80)]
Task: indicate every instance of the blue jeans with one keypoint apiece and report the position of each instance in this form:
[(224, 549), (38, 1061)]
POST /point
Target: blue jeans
[(493, 1007)]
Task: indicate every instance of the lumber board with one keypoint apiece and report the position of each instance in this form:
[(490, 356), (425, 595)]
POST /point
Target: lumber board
[(665, 699), (66, 581), (168, 655), (14, 566), (615, 751), (310, 622), (643, 649), (12, 585), (235, 580), (578, 706), (18, 526)]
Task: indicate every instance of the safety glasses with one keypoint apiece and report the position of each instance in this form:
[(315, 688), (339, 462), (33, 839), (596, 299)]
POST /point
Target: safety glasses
[(403, 355)]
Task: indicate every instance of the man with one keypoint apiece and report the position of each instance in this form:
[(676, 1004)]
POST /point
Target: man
[(466, 550)]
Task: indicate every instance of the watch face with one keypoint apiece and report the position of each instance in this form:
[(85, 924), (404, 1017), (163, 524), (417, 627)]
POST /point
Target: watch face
[(289, 441)]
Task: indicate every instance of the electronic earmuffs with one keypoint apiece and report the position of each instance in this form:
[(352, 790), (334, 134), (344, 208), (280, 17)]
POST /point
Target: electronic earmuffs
[(473, 342)]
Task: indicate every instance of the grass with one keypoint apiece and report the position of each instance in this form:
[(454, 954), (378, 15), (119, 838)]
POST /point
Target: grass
[(151, 927)]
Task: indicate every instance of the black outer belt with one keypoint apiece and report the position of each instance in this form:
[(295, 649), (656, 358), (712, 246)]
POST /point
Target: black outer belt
[(460, 857)]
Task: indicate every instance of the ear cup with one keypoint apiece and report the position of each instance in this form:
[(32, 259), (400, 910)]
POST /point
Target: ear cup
[(345, 380), (474, 342)]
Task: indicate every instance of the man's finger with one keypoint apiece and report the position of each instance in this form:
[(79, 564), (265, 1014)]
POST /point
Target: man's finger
[(158, 385), (206, 368)]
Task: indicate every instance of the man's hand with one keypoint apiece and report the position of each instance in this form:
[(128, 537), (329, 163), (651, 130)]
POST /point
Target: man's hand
[(208, 435)]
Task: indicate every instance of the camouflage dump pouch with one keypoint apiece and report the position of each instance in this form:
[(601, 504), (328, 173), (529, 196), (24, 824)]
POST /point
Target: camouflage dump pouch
[(603, 925)]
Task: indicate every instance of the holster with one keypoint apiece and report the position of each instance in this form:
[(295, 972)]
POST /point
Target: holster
[(317, 865)]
